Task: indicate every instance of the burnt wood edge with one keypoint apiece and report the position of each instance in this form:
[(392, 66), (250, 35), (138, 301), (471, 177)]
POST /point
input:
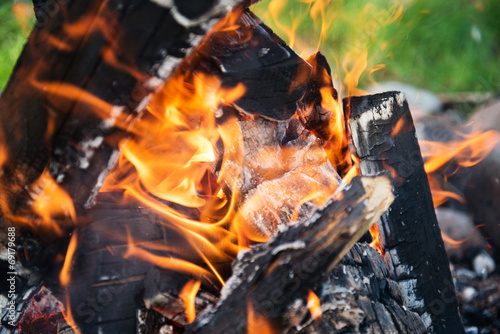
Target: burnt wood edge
[(272, 276), (383, 135)]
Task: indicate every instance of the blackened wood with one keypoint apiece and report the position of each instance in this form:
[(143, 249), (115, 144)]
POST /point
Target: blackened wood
[(246, 51), (102, 277), (274, 276), (317, 111), (383, 135), (86, 72), (359, 297)]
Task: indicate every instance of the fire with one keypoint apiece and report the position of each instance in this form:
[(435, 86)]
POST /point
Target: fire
[(188, 295), (465, 152), (257, 323), (314, 305), (50, 201), (24, 14), (65, 274)]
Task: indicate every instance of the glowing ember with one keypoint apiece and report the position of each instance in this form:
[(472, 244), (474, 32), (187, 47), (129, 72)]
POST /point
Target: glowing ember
[(314, 305)]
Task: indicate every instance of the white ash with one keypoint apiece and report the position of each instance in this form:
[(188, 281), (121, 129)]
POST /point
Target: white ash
[(483, 264)]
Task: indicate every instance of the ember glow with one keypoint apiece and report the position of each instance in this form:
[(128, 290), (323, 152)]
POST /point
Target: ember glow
[(314, 305)]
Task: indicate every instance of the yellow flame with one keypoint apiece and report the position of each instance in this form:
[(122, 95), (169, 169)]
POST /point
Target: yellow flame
[(188, 296), (314, 305)]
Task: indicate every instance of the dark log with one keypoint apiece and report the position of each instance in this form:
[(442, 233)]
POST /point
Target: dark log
[(383, 135), (86, 72), (108, 288), (246, 51), (272, 280), (318, 114), (359, 297)]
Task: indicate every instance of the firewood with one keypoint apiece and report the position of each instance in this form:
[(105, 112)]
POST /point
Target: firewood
[(383, 135), (272, 277), (85, 74), (359, 297), (249, 52)]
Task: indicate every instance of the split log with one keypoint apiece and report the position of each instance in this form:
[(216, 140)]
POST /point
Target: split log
[(86, 72), (383, 135), (270, 283)]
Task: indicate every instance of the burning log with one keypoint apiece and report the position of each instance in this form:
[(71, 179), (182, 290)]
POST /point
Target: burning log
[(270, 283), (86, 72), (384, 138), (246, 51)]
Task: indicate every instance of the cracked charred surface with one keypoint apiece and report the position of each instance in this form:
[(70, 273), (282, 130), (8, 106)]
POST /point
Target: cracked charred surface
[(384, 138)]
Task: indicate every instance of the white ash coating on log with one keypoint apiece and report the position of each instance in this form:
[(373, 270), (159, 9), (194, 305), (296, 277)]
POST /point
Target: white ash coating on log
[(409, 232), (72, 97), (272, 277)]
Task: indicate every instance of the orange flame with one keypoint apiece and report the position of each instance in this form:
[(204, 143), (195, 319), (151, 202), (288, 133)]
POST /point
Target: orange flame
[(65, 274), (314, 305), (68, 316), (50, 201), (188, 295), (465, 153), (257, 323), (452, 242), (24, 14)]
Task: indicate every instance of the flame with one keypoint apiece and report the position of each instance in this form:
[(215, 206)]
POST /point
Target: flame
[(314, 305), (188, 295), (65, 274), (24, 14), (376, 243), (68, 316), (51, 201), (465, 152), (257, 323), (452, 242)]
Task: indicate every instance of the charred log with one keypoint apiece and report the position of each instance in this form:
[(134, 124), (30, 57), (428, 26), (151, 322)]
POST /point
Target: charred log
[(359, 297), (249, 52), (383, 135), (270, 283), (86, 72)]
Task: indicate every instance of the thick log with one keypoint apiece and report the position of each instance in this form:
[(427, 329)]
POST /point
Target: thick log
[(383, 135), (85, 74), (247, 51), (270, 283)]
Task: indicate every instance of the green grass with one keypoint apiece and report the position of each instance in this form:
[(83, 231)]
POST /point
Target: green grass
[(12, 39), (444, 46), (427, 43)]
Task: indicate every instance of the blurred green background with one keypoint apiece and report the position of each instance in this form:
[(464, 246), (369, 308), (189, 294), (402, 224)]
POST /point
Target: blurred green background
[(442, 45)]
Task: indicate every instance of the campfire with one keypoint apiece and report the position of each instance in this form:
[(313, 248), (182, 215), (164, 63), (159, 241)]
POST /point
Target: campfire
[(176, 167)]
